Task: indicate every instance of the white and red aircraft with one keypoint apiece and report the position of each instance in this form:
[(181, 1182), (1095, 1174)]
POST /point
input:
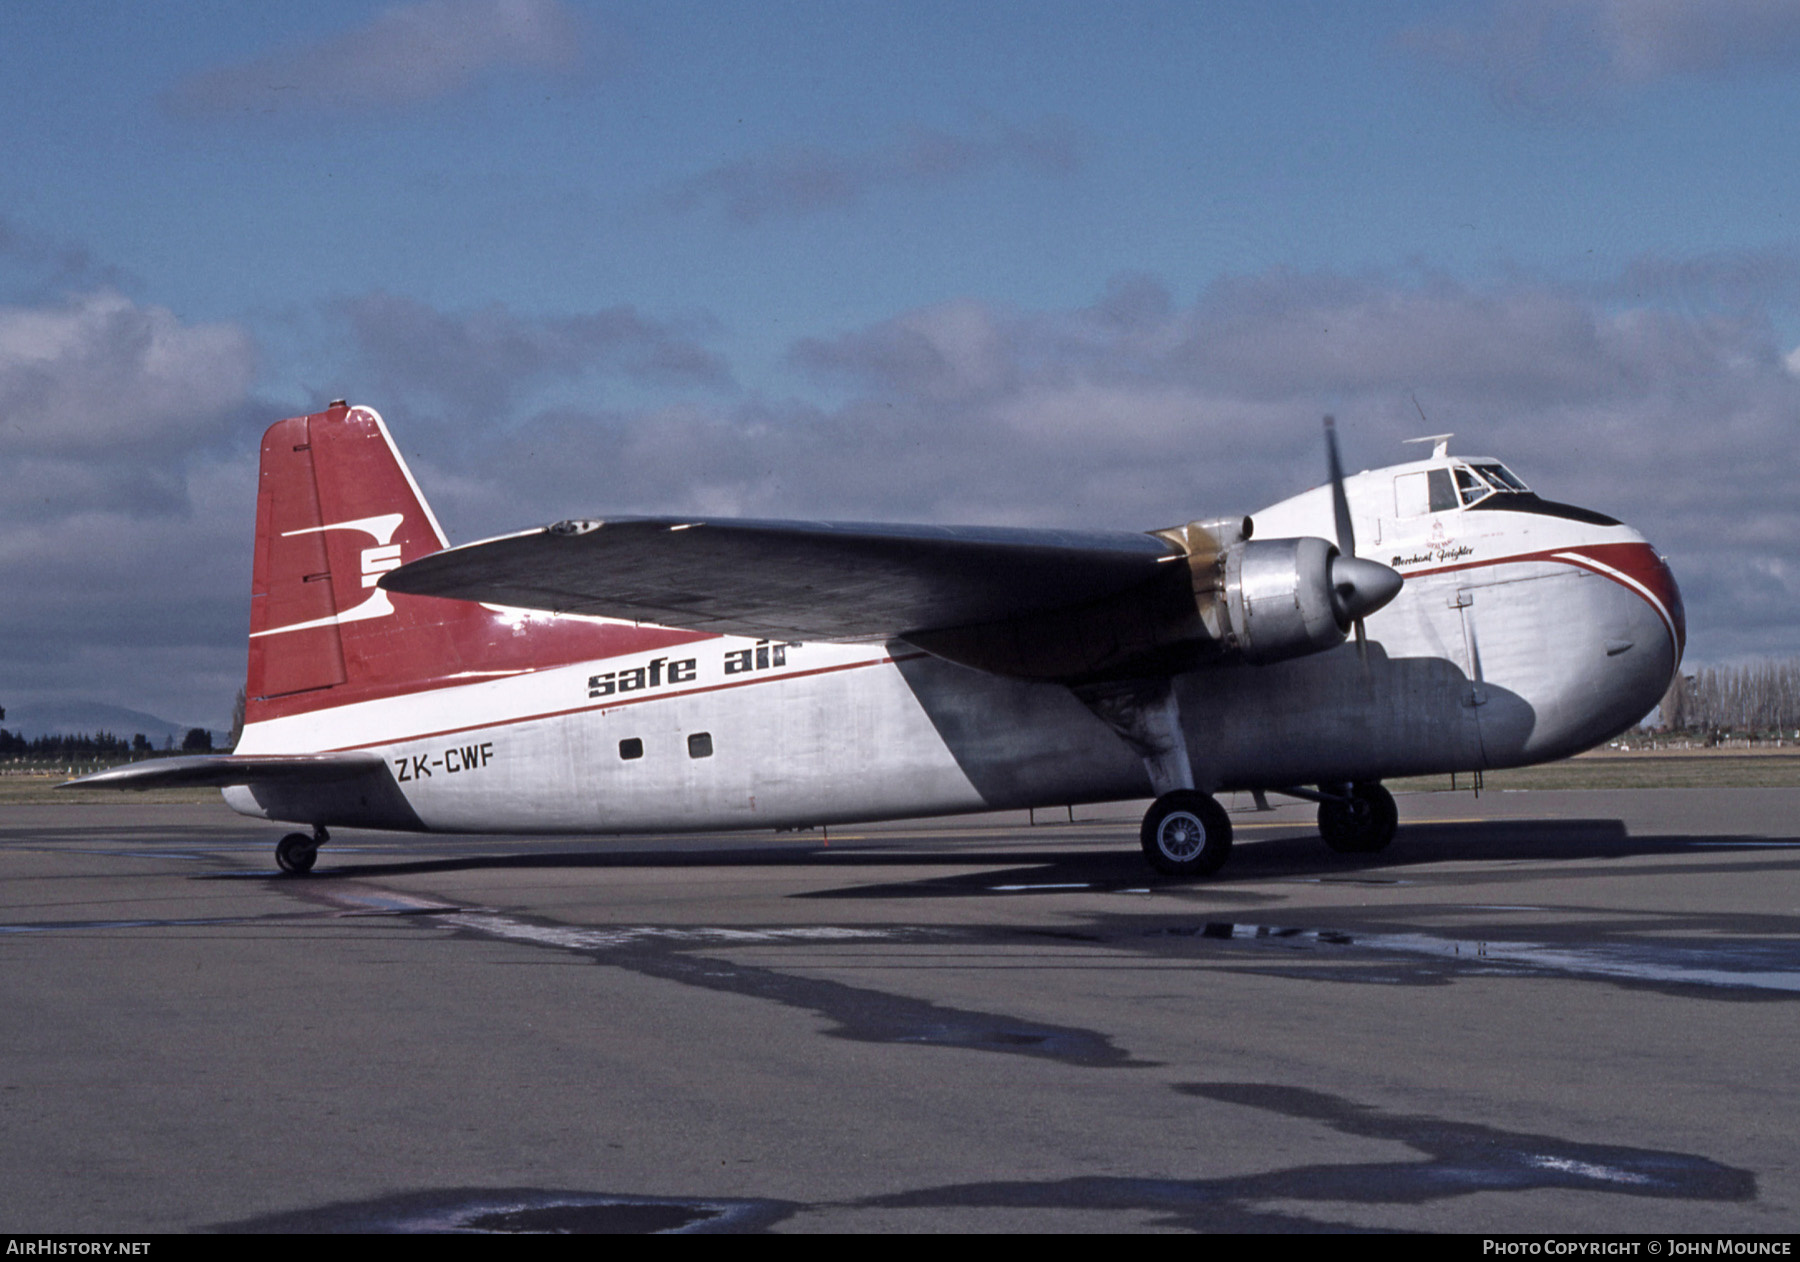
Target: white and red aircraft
[(666, 674)]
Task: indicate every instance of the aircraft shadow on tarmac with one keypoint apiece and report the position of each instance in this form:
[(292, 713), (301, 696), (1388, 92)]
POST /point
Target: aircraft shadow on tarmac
[(1105, 865)]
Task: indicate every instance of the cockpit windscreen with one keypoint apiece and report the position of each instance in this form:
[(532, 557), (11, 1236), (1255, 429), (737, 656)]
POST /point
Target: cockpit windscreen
[(1501, 477), (1478, 481)]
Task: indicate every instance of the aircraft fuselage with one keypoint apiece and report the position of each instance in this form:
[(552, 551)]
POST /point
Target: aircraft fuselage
[(1522, 634)]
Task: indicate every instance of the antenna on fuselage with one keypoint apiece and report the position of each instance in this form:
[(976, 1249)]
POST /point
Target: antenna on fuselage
[(1442, 440)]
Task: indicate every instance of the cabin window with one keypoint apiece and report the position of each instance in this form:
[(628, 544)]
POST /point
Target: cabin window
[(631, 747), (1443, 493), (700, 745)]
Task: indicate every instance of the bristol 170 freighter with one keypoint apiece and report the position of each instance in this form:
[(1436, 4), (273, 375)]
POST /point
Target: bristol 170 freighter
[(635, 674)]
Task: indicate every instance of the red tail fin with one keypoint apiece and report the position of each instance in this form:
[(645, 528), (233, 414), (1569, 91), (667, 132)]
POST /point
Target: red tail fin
[(336, 509)]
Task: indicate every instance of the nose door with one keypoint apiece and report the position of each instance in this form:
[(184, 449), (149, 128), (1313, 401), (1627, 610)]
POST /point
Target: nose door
[(1474, 692), (1524, 642)]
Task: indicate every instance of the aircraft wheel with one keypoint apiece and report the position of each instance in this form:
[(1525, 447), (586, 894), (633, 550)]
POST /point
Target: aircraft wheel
[(1186, 833), (296, 853), (1363, 825)]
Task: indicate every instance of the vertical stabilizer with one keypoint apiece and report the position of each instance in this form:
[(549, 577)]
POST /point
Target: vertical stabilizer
[(336, 508)]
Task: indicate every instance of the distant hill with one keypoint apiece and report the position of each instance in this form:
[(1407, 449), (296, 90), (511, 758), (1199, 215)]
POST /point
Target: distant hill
[(32, 719)]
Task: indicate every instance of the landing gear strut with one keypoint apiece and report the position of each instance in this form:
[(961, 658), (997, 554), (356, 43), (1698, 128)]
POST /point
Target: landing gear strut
[(296, 852), (1186, 833), (1361, 820)]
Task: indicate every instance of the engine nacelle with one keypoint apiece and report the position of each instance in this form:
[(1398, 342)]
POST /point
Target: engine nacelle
[(1258, 600), (1269, 599), (1278, 598)]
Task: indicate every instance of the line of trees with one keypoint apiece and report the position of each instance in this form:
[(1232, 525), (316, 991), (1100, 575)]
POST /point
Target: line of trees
[(97, 747), (1759, 697), (102, 746)]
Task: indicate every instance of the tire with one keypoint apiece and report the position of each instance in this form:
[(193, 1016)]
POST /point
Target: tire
[(1186, 833), (1363, 825), (296, 853)]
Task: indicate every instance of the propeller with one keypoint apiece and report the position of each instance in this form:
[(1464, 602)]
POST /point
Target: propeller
[(1358, 587)]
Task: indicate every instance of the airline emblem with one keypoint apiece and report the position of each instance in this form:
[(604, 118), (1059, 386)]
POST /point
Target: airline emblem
[(376, 561)]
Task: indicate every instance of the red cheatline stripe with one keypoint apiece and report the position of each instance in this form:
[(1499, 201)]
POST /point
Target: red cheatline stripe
[(1577, 556), (616, 705)]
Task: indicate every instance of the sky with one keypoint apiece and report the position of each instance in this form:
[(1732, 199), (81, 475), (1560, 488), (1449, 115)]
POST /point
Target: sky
[(1036, 263)]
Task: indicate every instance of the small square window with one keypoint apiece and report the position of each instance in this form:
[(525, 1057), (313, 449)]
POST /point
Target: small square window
[(631, 747), (700, 745)]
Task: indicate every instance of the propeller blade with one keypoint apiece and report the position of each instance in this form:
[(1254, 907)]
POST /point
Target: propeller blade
[(1340, 503)]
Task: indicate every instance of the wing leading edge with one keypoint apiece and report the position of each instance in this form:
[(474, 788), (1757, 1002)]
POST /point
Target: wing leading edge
[(802, 580)]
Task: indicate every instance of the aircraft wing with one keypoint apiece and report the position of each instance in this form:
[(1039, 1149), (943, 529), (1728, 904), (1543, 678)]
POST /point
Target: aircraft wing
[(220, 770), (795, 579)]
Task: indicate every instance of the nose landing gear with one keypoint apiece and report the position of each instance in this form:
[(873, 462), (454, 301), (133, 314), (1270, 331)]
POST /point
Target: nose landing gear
[(1360, 819), (296, 852)]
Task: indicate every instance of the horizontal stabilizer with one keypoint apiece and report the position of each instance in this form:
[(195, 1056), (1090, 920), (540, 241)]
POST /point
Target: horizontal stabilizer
[(220, 770), (804, 580)]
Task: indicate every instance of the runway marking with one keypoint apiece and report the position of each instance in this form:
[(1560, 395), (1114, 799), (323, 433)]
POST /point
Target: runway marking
[(669, 954), (572, 938), (1341, 880), (1586, 1169), (1641, 961)]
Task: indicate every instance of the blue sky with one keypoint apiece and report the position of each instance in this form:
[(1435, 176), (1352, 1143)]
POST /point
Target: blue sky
[(1041, 263)]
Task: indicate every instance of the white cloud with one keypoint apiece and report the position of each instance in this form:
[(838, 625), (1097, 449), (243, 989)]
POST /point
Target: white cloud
[(1138, 412), (404, 55), (805, 180), (954, 350), (124, 509), (1678, 413), (101, 377), (471, 366), (1546, 55)]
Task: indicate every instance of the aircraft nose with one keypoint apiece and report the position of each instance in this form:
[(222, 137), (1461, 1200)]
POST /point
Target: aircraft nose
[(1583, 653), (1664, 585), (1637, 566), (1640, 627)]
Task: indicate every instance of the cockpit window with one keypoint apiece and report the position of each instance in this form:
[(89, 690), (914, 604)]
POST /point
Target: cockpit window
[(1444, 490), (1472, 487), (1503, 478)]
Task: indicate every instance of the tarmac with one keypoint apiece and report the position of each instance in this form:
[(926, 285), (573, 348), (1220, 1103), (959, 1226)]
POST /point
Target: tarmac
[(1535, 1012)]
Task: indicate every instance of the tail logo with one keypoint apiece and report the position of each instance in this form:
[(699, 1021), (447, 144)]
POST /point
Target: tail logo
[(376, 561)]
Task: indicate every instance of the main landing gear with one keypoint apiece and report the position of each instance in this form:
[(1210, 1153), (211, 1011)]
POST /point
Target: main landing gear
[(1358, 818), (296, 852), (1186, 833)]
